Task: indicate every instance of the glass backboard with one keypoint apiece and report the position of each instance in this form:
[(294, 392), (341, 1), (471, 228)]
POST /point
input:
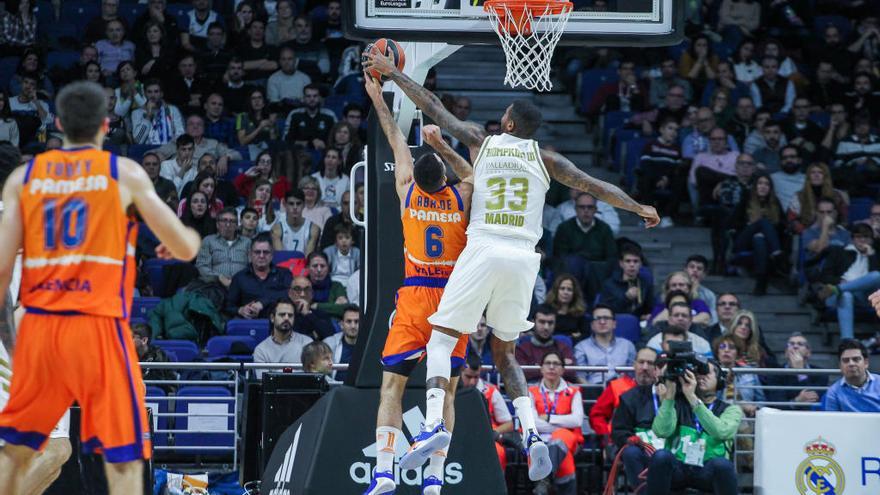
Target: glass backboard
[(598, 23)]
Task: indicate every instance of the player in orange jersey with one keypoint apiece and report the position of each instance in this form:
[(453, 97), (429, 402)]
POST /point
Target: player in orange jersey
[(434, 217), (46, 467), (77, 232)]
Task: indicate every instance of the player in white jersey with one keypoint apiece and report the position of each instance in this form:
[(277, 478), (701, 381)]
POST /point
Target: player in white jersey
[(498, 268), (294, 232), (47, 465)]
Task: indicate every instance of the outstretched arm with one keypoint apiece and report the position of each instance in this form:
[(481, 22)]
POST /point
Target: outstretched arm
[(460, 166), (403, 162), (561, 169), (469, 133)]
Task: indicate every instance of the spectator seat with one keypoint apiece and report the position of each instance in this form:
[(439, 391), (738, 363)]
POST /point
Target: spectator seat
[(231, 347), (136, 151), (80, 10), (131, 11), (860, 209), (842, 24), (237, 167), (591, 79), (155, 272), (179, 11), (61, 59), (7, 69), (628, 328), (185, 350), (632, 153), (255, 329), (141, 307)]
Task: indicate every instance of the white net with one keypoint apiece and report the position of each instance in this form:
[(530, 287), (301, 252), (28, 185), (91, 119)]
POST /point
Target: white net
[(529, 33)]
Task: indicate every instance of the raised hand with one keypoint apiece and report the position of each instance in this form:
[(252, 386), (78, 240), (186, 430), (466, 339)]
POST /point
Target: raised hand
[(432, 135), (373, 87), (375, 60), (649, 214)]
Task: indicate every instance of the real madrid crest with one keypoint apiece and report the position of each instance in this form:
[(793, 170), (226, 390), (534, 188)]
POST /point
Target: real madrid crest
[(819, 474)]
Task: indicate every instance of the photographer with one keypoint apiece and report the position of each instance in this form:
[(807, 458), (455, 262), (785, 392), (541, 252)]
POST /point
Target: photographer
[(698, 430)]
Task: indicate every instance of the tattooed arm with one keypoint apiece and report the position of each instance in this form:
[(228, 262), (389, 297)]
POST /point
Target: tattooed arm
[(561, 169), (469, 133)]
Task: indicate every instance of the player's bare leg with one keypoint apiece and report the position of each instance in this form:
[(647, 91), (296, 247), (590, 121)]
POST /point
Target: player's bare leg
[(433, 481), (434, 435), (388, 422), (46, 466), (15, 463), (125, 478), (516, 387)]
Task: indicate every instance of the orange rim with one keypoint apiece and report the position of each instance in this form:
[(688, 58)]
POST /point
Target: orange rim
[(517, 7)]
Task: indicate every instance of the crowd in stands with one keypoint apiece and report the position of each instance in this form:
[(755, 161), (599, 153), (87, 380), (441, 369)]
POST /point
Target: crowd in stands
[(248, 116)]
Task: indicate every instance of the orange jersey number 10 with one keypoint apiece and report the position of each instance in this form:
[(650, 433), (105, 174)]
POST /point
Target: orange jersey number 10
[(67, 222)]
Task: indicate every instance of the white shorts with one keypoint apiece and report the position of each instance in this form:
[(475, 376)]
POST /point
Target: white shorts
[(496, 275)]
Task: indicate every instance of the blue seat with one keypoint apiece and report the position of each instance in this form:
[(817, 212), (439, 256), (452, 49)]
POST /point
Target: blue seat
[(61, 58), (7, 70), (237, 167), (64, 34), (141, 307), (628, 328), (136, 151), (155, 272), (631, 158), (180, 12), (255, 329), (45, 14), (591, 80), (220, 347), (207, 431), (860, 209), (185, 350), (131, 11), (842, 24), (612, 123), (80, 11), (676, 51), (822, 119), (159, 406)]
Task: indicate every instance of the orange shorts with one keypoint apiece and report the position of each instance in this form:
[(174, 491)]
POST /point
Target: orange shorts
[(89, 359), (410, 330)]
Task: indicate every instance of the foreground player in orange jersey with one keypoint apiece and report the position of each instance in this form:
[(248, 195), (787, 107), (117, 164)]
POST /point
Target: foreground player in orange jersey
[(435, 217), (77, 229)]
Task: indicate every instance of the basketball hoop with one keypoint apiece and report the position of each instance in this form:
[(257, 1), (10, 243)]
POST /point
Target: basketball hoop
[(529, 31)]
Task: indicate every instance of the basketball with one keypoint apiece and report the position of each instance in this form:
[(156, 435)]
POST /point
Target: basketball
[(389, 48)]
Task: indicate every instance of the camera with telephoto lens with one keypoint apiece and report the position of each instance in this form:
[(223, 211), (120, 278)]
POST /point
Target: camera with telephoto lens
[(681, 358)]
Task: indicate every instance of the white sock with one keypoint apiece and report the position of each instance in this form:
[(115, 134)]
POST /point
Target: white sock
[(523, 407), (435, 465), (434, 406), (439, 349), (386, 436)]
